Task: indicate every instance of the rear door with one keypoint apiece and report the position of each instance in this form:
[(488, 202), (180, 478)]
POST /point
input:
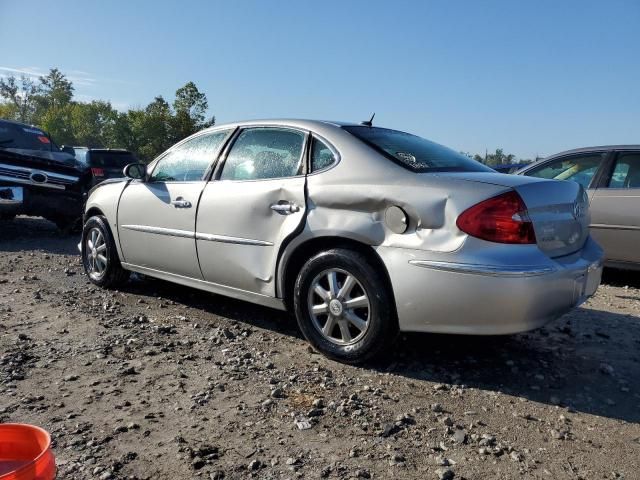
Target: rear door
[(157, 217), (615, 209), (255, 202)]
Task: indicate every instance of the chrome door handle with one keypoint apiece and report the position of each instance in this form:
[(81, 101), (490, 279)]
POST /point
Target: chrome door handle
[(285, 208), (181, 203)]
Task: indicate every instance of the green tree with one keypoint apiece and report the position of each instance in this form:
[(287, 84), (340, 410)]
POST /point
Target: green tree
[(8, 110), (119, 133), (146, 132), (57, 122), (55, 90), (190, 106), (21, 98), (92, 123), (191, 101), (498, 158), (151, 128)]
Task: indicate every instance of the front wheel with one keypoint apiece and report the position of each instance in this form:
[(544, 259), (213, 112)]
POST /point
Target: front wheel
[(99, 255), (344, 307)]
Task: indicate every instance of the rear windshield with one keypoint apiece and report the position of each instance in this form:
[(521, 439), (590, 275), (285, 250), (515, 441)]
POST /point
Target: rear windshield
[(111, 159), (25, 137), (415, 153)]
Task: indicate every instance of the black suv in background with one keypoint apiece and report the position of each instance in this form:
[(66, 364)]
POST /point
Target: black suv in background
[(103, 163), (37, 178)]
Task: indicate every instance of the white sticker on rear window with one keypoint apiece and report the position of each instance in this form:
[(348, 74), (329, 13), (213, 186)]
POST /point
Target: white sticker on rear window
[(33, 130)]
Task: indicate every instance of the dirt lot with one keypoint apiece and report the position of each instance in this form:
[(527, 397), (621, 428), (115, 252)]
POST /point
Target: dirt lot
[(159, 381)]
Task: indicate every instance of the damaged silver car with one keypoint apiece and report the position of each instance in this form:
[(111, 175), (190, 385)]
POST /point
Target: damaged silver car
[(361, 231)]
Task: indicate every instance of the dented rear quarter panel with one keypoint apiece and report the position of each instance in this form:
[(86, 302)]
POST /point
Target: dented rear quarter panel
[(350, 199)]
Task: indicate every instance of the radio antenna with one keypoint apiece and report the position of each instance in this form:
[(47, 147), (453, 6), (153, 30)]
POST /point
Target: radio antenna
[(368, 123)]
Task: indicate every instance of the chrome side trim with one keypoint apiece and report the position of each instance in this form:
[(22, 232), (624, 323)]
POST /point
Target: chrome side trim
[(23, 181), (199, 236), (160, 231), (614, 227), (489, 270), (235, 240), (237, 293)]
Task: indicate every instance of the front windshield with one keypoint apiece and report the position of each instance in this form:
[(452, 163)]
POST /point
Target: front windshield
[(415, 153), (25, 137)]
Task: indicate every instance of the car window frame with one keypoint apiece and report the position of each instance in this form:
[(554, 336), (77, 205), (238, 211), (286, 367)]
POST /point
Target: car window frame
[(151, 167), (597, 176), (336, 154), (224, 154), (611, 165)]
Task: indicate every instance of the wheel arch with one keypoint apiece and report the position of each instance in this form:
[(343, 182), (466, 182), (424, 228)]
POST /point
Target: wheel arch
[(294, 257), (92, 212)]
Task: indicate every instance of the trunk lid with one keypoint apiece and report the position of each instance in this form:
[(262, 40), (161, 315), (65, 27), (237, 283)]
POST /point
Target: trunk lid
[(559, 210)]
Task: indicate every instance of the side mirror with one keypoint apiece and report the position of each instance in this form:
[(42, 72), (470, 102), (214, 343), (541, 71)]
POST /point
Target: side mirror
[(136, 171)]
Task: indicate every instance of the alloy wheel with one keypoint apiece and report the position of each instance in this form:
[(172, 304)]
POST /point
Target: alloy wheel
[(96, 253), (339, 306)]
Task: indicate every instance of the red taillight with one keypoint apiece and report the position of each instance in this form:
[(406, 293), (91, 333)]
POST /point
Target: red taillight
[(501, 219), (97, 172)]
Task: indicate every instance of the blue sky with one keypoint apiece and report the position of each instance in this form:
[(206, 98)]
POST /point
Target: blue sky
[(531, 77)]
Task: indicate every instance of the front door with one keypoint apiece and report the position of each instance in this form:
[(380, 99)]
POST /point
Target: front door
[(615, 210), (157, 217), (257, 202)]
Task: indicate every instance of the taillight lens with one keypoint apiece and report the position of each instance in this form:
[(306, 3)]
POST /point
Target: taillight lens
[(97, 172), (501, 219)]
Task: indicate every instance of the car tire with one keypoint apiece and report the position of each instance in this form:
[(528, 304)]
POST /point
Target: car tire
[(351, 321), (99, 254)]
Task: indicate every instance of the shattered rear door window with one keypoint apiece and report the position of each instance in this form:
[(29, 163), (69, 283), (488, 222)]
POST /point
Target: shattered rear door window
[(260, 153)]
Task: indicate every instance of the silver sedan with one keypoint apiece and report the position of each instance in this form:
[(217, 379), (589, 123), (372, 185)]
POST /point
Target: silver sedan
[(611, 176), (361, 231)]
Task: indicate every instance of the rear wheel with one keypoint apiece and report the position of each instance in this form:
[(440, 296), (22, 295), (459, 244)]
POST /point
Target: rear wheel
[(99, 255), (344, 307)]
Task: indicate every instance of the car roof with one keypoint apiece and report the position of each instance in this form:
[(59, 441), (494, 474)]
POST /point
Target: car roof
[(20, 124), (13, 122), (291, 122), (601, 148)]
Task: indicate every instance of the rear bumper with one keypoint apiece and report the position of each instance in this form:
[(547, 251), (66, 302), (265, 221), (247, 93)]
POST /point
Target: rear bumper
[(448, 297)]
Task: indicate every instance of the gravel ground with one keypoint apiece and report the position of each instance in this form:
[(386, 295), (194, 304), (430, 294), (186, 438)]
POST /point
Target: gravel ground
[(160, 381)]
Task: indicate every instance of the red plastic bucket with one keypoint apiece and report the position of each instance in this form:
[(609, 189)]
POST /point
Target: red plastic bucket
[(25, 453)]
